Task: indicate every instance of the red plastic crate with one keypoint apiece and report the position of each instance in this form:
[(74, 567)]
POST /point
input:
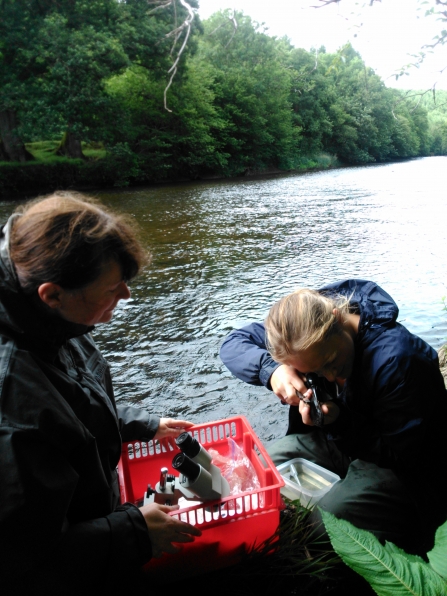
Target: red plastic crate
[(228, 530)]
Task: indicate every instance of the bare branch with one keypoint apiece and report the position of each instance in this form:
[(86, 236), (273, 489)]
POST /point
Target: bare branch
[(325, 3), (177, 32), (160, 5), (231, 18), (165, 93), (183, 29), (440, 40), (411, 94)]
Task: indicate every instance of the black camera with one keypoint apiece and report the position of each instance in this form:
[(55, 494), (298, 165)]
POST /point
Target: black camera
[(318, 396)]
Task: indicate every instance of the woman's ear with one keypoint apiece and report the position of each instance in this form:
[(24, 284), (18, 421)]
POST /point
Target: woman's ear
[(337, 315), (50, 294)]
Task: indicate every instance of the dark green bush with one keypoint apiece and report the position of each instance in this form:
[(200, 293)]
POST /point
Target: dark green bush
[(120, 167), (34, 178)]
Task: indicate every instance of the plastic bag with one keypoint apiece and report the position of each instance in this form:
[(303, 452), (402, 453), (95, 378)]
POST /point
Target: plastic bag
[(236, 468)]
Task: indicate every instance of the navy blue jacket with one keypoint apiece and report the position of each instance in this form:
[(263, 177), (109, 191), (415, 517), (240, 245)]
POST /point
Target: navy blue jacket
[(394, 406)]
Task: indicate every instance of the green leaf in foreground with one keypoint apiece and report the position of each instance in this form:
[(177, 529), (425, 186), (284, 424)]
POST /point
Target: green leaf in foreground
[(389, 574), (393, 550), (438, 555)]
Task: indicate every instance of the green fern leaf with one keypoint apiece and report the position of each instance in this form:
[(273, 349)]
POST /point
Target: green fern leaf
[(389, 574), (438, 555)]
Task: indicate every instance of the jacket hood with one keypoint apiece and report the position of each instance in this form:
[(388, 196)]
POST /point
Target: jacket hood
[(375, 307), (24, 315)]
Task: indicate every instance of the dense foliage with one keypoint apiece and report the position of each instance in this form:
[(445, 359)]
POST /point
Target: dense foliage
[(55, 59), (241, 101)]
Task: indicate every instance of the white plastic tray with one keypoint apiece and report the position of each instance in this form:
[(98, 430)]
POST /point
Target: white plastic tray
[(306, 481)]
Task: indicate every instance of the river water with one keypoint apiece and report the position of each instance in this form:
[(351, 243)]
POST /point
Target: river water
[(223, 252)]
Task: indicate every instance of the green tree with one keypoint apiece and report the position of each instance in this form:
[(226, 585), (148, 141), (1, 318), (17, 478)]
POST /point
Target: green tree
[(360, 112), (56, 56), (252, 93), (182, 142), (310, 98), (438, 137), (79, 55), (348, 110), (435, 104), (18, 24)]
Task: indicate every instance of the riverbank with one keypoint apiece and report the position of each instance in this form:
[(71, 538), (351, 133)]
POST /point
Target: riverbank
[(118, 170), (114, 171)]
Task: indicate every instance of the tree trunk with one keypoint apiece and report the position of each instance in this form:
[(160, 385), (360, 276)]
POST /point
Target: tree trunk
[(12, 148), (70, 146), (3, 155)]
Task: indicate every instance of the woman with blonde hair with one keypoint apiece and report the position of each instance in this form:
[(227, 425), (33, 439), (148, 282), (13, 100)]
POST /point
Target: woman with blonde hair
[(65, 263), (383, 420)]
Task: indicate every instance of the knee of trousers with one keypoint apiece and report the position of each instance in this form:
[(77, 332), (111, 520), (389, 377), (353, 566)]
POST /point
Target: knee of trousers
[(372, 499)]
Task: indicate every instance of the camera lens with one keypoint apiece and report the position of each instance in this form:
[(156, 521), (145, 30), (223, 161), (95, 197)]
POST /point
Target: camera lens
[(312, 379)]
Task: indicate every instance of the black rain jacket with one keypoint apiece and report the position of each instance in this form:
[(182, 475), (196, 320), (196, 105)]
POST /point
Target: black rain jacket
[(62, 529)]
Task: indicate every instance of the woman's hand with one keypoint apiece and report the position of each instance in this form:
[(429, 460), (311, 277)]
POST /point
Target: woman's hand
[(164, 529), (169, 429), (329, 408), (286, 382)]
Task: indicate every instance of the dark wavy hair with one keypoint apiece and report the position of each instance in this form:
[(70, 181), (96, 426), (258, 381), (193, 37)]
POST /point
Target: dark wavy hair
[(67, 238)]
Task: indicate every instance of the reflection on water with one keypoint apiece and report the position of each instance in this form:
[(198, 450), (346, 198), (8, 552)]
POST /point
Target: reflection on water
[(223, 252)]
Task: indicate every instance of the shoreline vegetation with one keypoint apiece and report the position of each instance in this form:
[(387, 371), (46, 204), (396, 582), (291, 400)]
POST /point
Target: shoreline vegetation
[(88, 101), (101, 170)]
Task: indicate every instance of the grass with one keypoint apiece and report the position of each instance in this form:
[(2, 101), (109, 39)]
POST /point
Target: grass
[(45, 151), (325, 160), (290, 563), (320, 161)]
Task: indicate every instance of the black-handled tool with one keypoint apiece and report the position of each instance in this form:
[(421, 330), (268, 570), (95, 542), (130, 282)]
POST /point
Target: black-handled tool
[(316, 415)]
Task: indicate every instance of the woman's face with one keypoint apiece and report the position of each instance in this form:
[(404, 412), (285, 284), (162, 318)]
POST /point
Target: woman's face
[(332, 358), (95, 303)]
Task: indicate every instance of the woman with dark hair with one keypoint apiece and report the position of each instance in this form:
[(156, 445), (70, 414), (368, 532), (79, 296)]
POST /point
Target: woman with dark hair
[(383, 428), (64, 265)]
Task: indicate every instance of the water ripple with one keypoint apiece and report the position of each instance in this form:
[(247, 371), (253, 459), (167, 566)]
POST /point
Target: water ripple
[(224, 251)]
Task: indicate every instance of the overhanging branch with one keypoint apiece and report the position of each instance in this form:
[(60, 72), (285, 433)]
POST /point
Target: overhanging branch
[(184, 29)]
